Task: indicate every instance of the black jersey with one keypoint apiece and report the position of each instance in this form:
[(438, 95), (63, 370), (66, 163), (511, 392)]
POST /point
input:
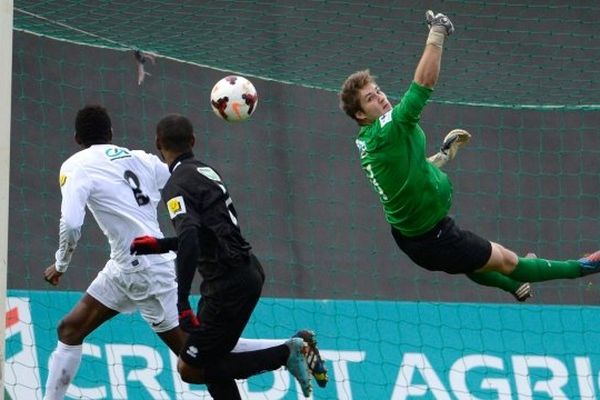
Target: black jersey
[(209, 237)]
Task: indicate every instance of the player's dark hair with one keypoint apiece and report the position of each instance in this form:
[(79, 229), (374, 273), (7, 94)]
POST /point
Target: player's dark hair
[(93, 125), (349, 96), (175, 133)]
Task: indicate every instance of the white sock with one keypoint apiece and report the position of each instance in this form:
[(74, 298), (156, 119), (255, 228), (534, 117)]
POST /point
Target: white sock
[(256, 344), (63, 365)]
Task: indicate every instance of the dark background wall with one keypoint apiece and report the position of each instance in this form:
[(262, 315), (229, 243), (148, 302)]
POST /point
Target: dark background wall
[(529, 178)]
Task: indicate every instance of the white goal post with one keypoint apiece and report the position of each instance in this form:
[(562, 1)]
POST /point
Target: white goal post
[(6, 33)]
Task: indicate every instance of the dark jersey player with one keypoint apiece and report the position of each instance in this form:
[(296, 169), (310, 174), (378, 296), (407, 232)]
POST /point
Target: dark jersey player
[(209, 240)]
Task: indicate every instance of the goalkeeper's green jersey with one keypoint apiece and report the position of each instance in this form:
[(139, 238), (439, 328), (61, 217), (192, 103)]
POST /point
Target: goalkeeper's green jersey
[(415, 193)]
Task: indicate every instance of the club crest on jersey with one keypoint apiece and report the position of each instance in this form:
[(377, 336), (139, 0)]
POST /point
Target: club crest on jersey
[(62, 180), (176, 206)]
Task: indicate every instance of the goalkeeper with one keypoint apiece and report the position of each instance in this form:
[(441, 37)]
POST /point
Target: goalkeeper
[(416, 195)]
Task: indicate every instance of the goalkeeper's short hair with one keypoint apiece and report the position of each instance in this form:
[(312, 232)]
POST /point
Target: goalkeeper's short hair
[(349, 94)]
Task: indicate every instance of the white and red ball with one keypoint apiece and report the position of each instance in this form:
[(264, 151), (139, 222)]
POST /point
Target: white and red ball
[(234, 98)]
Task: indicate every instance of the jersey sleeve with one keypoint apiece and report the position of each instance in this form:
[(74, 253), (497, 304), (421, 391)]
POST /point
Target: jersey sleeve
[(75, 190), (408, 111), (160, 170), (188, 243)]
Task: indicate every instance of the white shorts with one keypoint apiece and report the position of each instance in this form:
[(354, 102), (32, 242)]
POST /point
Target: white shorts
[(152, 290)]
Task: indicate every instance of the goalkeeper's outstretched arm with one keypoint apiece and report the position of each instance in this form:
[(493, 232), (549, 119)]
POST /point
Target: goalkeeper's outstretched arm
[(453, 141), (428, 69)]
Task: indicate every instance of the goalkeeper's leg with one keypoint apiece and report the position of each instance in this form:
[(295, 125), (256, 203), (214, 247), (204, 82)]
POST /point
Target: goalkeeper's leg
[(521, 291), (527, 269)]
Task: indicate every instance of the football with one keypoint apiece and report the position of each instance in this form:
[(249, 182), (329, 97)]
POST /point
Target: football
[(234, 98)]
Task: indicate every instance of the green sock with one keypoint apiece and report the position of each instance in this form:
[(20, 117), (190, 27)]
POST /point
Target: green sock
[(495, 279), (539, 270)]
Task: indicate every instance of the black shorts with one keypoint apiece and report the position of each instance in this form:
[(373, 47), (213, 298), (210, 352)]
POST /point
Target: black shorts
[(446, 248), (224, 313)]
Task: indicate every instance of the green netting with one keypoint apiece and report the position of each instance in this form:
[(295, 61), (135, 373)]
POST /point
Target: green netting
[(528, 180), (508, 53), (520, 76)]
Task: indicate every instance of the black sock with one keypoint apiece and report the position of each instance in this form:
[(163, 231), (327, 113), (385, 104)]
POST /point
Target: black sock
[(224, 390), (248, 363)]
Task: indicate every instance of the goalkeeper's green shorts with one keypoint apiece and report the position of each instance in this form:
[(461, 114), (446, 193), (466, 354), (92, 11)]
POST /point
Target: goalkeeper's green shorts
[(446, 248)]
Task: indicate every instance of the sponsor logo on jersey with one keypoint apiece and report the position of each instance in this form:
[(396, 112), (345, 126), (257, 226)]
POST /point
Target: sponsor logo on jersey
[(176, 206), (116, 153), (385, 118), (62, 180)]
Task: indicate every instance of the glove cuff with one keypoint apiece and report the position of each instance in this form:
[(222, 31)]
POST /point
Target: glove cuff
[(436, 38), (439, 159)]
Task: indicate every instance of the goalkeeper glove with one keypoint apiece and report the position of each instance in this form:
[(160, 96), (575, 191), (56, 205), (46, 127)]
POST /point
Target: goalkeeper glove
[(439, 23), (439, 26), (453, 141)]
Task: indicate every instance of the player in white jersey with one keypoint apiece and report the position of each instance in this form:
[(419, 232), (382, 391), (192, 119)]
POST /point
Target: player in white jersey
[(121, 188)]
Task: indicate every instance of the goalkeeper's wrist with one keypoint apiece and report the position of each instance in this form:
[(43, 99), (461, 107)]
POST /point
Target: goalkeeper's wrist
[(439, 159), (436, 38)]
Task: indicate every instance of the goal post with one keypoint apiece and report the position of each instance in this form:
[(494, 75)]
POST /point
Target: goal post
[(6, 25)]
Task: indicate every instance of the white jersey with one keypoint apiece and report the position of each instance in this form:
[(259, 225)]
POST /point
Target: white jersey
[(121, 188)]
